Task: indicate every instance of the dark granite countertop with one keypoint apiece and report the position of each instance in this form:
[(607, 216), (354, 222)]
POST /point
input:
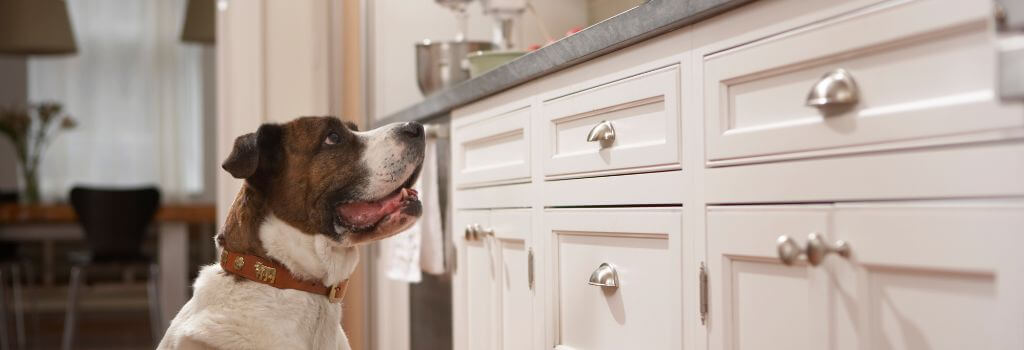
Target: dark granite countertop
[(647, 20)]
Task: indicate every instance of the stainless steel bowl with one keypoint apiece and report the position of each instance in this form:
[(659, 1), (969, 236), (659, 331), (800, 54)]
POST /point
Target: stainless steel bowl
[(442, 64)]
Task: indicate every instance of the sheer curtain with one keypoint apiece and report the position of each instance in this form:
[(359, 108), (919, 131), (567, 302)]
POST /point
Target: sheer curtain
[(136, 92)]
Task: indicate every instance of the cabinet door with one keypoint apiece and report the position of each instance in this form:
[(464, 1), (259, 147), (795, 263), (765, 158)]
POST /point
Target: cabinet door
[(474, 295), (935, 275), (513, 247), (641, 248), (756, 301)]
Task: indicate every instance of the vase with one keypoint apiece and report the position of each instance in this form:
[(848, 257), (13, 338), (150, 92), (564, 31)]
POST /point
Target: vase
[(29, 194)]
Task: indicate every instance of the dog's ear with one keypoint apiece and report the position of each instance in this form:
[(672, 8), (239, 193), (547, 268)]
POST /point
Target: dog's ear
[(251, 150)]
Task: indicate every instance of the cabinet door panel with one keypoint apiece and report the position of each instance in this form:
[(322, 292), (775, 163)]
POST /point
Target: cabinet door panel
[(756, 302), (512, 244), (642, 246), (476, 322), (935, 275)]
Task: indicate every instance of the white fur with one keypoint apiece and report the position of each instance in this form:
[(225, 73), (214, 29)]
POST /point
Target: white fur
[(227, 314), (384, 154)]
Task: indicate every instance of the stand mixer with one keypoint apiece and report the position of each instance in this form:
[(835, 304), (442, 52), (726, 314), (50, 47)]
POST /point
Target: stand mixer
[(440, 64), (506, 13)]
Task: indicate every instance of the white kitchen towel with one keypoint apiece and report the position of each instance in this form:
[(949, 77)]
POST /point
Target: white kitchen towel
[(420, 246)]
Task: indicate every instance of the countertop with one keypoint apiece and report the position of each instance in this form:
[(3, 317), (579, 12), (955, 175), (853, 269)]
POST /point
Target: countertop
[(645, 21)]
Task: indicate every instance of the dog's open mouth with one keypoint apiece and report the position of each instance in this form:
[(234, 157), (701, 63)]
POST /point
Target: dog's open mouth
[(364, 216)]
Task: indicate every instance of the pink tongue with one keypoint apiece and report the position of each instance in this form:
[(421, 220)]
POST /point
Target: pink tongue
[(367, 213)]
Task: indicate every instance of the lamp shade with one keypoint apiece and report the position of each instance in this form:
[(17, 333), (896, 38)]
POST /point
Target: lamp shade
[(35, 27), (199, 22)]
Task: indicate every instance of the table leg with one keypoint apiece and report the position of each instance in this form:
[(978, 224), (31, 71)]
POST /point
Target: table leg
[(173, 257)]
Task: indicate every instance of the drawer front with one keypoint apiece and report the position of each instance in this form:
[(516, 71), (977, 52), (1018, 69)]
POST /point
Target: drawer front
[(642, 112), (757, 302), (642, 248), (921, 69), (492, 151), (948, 275)]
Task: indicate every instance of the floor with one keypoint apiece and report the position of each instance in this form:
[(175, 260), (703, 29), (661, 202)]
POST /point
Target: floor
[(113, 316)]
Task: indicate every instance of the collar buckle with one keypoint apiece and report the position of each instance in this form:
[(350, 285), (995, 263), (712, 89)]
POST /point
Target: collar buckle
[(337, 293)]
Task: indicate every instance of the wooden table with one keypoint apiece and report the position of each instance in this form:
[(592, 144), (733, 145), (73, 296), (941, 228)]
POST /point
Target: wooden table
[(58, 221)]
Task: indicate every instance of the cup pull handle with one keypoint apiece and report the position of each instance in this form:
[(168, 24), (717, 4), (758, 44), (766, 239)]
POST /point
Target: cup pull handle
[(604, 276), (835, 89), (603, 132)]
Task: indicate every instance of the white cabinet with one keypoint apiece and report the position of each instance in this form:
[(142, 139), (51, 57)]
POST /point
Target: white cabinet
[(921, 179), (919, 275), (945, 275), (496, 273), (637, 248), (493, 151), (907, 62), (638, 114), (755, 301)]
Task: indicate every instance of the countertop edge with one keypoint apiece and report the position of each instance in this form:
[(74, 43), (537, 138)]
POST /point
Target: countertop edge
[(640, 23)]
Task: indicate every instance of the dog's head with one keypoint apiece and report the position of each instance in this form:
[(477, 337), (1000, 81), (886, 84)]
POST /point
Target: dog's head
[(322, 176)]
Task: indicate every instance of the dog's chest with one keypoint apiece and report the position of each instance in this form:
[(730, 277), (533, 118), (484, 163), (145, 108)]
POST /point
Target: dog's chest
[(253, 313)]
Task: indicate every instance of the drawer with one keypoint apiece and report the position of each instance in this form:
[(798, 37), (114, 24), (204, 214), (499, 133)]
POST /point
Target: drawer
[(641, 248), (757, 302), (639, 115), (492, 151), (923, 72)]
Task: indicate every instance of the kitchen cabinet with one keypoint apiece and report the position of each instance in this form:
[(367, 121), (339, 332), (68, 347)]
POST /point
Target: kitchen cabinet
[(497, 268), (915, 275), (897, 214), (610, 288)]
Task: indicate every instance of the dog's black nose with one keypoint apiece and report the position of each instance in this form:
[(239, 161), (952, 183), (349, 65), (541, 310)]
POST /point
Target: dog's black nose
[(411, 130)]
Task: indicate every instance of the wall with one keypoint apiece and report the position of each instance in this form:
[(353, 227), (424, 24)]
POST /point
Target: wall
[(13, 90), (397, 25)]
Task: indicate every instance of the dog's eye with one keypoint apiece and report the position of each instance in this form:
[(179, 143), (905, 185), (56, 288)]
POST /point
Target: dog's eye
[(332, 139)]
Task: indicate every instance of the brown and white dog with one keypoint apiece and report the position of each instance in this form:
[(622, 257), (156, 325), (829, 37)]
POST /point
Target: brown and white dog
[(315, 188)]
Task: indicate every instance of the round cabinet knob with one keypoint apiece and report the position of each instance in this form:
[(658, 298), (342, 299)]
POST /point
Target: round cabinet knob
[(470, 232), (835, 90), (818, 248), (788, 249)]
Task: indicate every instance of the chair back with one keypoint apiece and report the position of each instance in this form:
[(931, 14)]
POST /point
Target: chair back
[(115, 220)]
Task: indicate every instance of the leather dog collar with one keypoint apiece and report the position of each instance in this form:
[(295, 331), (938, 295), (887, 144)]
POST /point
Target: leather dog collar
[(267, 272)]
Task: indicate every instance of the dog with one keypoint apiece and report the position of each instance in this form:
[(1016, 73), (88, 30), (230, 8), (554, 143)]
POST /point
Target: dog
[(315, 188)]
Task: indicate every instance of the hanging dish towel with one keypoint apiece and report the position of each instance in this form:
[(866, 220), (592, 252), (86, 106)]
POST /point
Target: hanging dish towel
[(421, 246)]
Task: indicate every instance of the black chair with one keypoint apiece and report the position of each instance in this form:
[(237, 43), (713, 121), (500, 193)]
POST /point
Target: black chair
[(115, 223), (12, 264)]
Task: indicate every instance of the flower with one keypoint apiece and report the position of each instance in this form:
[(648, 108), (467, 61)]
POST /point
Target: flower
[(15, 122), (68, 123), (48, 111)]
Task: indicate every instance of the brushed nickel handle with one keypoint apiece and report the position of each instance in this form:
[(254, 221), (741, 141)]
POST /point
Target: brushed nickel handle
[(835, 89), (475, 232), (604, 276), (529, 268), (818, 248), (788, 249), (603, 132), (485, 232)]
